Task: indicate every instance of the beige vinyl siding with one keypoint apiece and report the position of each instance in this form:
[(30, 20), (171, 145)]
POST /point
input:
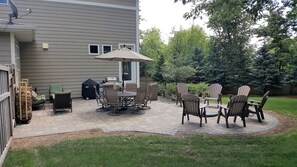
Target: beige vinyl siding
[(5, 53), (68, 29), (116, 2)]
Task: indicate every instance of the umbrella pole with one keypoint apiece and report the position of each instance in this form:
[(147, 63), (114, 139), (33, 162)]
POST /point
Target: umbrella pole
[(123, 84), (123, 80)]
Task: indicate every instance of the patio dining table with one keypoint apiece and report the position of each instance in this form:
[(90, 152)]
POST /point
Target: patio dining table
[(126, 97)]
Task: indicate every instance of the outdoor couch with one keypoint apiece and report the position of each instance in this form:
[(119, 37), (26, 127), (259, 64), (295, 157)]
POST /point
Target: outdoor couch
[(37, 100), (54, 88), (62, 101)]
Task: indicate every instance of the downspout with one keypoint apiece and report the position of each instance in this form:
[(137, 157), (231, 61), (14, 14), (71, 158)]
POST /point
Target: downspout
[(12, 48), (137, 43)]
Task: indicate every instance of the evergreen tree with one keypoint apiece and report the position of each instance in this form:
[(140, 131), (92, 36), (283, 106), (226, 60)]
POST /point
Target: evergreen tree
[(265, 72), (198, 64), (291, 76), (277, 32), (231, 24), (214, 69)]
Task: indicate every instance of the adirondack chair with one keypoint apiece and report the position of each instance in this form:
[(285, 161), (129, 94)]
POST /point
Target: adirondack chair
[(191, 106), (236, 107), (258, 106), (244, 90), (181, 89), (214, 93)]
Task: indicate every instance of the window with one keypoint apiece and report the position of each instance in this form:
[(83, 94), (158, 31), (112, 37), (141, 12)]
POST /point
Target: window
[(106, 48), (3, 2), (93, 49)]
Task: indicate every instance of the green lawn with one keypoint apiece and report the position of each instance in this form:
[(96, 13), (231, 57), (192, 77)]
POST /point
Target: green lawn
[(284, 106), (275, 150)]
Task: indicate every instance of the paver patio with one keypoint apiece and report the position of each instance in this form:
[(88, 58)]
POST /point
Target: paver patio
[(162, 118)]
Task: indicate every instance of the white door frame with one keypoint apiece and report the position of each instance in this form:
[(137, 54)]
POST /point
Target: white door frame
[(134, 66)]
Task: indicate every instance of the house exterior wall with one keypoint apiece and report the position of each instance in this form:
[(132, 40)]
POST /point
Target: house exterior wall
[(117, 2), (68, 28), (5, 53)]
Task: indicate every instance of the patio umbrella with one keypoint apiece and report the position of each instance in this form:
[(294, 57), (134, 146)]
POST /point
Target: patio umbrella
[(124, 55)]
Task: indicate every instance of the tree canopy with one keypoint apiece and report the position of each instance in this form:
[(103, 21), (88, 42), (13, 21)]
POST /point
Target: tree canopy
[(227, 57)]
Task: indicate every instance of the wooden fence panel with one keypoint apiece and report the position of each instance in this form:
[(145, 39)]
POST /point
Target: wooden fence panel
[(5, 111)]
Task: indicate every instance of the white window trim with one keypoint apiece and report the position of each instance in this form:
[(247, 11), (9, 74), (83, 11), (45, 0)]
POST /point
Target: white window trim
[(82, 2), (4, 3), (133, 66), (127, 44), (89, 49), (106, 45)]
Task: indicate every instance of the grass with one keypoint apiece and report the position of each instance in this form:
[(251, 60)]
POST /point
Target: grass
[(162, 151), (281, 105), (273, 150)]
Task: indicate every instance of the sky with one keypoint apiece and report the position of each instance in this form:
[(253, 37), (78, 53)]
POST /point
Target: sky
[(166, 15)]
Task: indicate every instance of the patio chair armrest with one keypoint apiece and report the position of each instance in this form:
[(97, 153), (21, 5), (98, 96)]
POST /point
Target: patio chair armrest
[(224, 107), (254, 102), (203, 106), (205, 94), (220, 96), (178, 95), (230, 95)]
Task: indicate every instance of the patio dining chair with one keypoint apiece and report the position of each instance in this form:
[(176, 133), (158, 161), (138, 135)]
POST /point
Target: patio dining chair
[(140, 100), (112, 99), (131, 87), (258, 106), (214, 93), (100, 99), (152, 91), (191, 106), (236, 107), (181, 89)]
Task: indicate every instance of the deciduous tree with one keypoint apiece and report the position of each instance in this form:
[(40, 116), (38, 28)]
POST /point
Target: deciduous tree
[(153, 47)]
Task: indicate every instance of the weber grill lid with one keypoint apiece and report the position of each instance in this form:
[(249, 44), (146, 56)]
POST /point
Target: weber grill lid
[(89, 82)]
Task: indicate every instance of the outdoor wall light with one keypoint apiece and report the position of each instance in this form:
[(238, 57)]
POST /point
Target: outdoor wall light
[(45, 46)]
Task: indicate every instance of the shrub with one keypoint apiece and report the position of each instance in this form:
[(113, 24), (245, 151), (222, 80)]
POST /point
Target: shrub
[(178, 74), (161, 89), (198, 88), (170, 90)]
